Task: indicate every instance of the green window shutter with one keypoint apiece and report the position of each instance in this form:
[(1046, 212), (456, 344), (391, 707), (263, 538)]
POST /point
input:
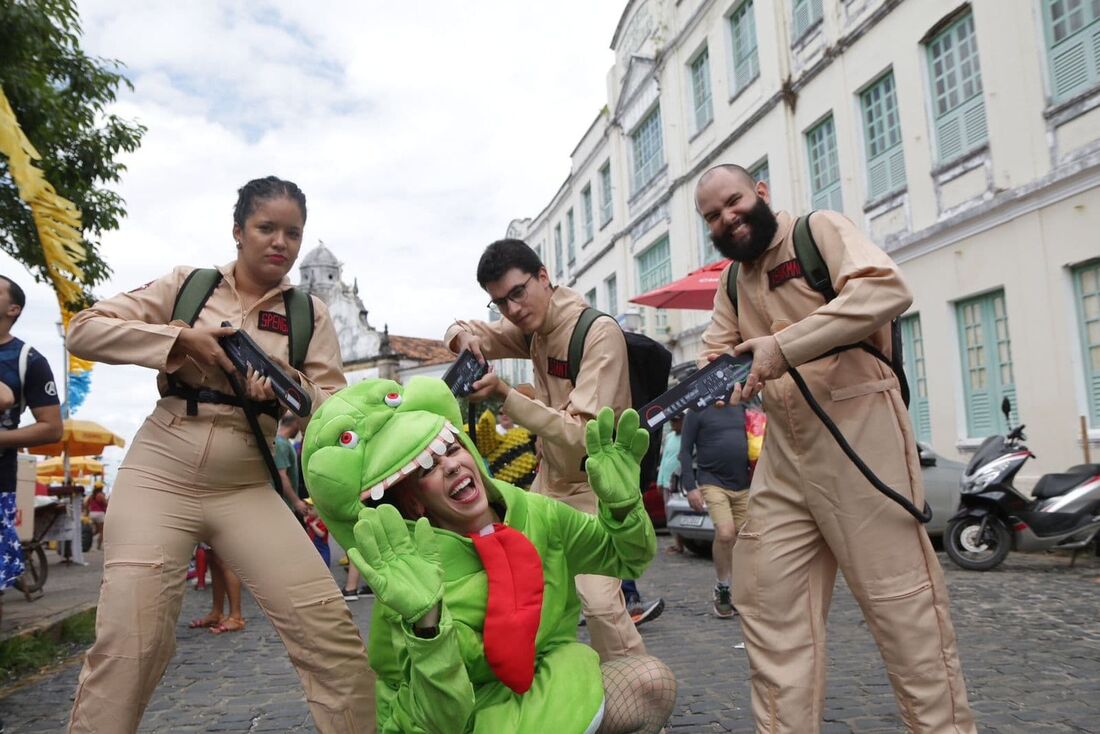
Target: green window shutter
[(612, 288), (590, 297), (882, 138), (804, 14), (700, 89), (957, 101), (586, 212), (913, 354), (1086, 283), (559, 270), (647, 148), (824, 166), (707, 252), (761, 172), (1072, 29), (654, 266), (746, 60), (987, 363), (606, 205), (571, 237)]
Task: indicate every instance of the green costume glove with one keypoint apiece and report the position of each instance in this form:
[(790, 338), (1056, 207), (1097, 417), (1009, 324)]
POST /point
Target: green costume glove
[(614, 467), (405, 577)]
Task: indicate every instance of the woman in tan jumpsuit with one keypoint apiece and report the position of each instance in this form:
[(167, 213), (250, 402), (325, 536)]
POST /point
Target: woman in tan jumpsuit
[(198, 475)]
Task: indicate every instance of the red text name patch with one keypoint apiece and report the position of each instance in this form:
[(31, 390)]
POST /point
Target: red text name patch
[(271, 321), (783, 272), (557, 368)]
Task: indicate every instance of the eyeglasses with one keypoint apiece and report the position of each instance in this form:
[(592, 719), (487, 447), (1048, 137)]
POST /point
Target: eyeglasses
[(516, 295)]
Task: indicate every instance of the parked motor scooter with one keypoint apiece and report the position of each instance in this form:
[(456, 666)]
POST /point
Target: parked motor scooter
[(1063, 512)]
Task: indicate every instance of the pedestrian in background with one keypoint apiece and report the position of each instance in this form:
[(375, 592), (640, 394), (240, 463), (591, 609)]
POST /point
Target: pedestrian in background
[(668, 472), (195, 473)]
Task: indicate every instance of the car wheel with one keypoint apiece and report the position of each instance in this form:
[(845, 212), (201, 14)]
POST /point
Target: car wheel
[(974, 550), (700, 548)]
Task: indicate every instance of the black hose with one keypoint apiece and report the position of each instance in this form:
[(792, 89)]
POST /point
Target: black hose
[(877, 483)]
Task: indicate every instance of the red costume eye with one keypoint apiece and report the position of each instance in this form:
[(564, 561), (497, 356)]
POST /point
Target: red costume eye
[(349, 439), (392, 399)]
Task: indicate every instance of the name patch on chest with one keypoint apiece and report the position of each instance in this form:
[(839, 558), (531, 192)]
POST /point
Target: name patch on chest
[(783, 272), (271, 321), (557, 368)]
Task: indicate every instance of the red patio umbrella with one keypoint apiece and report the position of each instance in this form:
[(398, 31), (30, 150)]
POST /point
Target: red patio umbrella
[(695, 290)]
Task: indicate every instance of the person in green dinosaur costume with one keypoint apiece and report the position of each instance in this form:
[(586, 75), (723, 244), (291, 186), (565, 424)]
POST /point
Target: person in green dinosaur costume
[(474, 629)]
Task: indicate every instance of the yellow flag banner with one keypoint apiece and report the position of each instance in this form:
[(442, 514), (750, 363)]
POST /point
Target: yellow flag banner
[(59, 233)]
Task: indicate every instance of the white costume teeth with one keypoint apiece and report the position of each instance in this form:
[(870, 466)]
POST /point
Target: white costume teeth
[(376, 492), (438, 447), (424, 460)]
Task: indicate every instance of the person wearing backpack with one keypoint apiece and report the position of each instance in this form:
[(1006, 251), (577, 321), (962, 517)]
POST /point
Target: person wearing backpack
[(26, 381), (200, 470), (539, 322), (810, 510)]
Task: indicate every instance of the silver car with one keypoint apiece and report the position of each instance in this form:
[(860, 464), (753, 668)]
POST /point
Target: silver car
[(941, 489)]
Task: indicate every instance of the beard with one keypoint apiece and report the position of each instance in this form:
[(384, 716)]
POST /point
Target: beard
[(762, 226)]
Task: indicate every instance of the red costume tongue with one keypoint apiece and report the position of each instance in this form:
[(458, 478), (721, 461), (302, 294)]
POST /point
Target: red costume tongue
[(514, 608)]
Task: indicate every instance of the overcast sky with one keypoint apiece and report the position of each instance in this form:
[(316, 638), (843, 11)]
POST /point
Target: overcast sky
[(416, 130)]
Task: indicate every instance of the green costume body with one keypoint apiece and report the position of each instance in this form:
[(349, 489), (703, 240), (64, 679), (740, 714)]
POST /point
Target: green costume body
[(445, 684)]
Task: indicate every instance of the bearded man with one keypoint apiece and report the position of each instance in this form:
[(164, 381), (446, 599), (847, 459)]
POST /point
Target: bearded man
[(810, 510)]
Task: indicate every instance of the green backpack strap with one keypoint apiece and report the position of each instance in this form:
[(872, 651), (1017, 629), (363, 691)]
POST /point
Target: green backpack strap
[(299, 316), (194, 293), (814, 269), (731, 283), (576, 341)]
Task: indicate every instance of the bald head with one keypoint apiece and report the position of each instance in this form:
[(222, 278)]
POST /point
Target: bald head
[(725, 169)]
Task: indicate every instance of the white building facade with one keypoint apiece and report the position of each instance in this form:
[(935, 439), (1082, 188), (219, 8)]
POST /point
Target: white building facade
[(963, 137)]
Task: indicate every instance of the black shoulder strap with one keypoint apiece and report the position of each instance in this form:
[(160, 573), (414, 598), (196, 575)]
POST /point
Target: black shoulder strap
[(731, 283), (194, 293), (576, 341), (299, 316), (814, 269)]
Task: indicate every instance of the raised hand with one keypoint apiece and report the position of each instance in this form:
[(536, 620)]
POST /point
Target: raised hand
[(405, 576), (614, 466)]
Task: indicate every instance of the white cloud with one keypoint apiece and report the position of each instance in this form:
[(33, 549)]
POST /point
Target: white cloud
[(416, 130)]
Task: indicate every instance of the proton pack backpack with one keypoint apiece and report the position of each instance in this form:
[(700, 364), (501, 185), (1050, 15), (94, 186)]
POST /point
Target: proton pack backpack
[(816, 273), (649, 363), (200, 284)]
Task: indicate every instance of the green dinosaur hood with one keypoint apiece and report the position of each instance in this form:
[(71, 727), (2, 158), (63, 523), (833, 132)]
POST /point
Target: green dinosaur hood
[(371, 435)]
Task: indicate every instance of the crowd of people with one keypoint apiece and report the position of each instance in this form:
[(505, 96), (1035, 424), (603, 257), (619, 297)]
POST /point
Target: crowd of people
[(479, 583)]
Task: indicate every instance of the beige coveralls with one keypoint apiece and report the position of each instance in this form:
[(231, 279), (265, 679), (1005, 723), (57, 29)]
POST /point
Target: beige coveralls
[(811, 510), (201, 478), (558, 416)]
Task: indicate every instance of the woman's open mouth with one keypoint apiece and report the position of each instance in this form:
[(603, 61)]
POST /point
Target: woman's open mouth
[(464, 491)]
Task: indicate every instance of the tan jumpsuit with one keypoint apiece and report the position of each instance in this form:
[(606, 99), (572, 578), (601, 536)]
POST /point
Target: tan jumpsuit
[(558, 416), (810, 510), (198, 478)]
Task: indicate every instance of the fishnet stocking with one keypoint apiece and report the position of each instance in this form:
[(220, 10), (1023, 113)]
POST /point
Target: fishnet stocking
[(639, 693)]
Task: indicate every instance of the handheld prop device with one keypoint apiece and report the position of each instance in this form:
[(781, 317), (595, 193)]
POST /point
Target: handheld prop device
[(707, 386), (245, 353), (462, 375)]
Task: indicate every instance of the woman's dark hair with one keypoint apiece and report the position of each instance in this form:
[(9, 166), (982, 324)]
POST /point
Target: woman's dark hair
[(502, 256), (269, 187)]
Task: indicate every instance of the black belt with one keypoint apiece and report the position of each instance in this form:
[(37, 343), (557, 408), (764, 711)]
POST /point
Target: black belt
[(194, 396)]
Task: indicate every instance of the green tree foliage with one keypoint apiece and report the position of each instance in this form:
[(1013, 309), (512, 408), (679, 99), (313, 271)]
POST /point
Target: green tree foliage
[(59, 95)]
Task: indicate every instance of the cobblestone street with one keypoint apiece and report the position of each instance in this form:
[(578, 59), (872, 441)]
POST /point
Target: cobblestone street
[(1029, 635)]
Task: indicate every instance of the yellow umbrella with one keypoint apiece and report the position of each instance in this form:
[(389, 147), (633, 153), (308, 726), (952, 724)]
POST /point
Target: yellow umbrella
[(79, 467), (80, 438)]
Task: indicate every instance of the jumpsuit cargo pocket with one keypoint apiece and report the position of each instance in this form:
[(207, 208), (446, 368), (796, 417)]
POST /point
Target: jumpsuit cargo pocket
[(746, 592), (320, 622), (133, 594)]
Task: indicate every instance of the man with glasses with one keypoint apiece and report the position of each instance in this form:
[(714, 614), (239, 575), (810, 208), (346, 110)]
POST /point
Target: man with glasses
[(538, 322)]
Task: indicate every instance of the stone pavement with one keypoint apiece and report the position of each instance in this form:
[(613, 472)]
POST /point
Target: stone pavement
[(1029, 634)]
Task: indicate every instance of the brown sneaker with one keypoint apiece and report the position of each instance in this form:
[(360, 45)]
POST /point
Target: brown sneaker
[(723, 603)]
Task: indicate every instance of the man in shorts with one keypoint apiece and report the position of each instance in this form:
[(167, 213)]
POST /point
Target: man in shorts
[(714, 439)]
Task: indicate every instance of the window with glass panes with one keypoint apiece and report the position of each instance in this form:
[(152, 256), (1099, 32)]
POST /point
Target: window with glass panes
[(1072, 30), (611, 288), (760, 172), (559, 262), (1086, 284), (913, 360), (586, 214), (606, 205), (590, 297), (700, 89), (986, 352), (958, 107), (805, 13), (882, 138), (707, 251), (570, 237), (654, 266), (746, 60), (824, 166), (647, 148)]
